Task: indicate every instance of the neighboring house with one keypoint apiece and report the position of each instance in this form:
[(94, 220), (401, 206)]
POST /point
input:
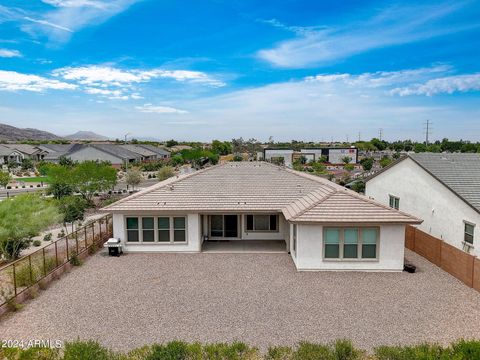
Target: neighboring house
[(28, 151), (161, 153), (147, 152), (55, 151), (442, 189), (322, 225), (114, 154), (334, 156), (7, 154)]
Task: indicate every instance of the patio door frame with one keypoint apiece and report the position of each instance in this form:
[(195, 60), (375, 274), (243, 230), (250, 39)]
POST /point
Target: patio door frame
[(239, 227)]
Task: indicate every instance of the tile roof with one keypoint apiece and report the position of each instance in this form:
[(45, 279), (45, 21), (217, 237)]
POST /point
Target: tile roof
[(116, 150), (460, 172), (6, 151), (155, 149), (138, 150), (260, 187), (24, 148)]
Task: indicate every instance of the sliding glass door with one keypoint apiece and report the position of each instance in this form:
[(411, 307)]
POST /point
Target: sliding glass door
[(224, 226)]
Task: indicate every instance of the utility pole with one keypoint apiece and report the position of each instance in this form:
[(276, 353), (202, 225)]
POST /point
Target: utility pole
[(359, 136), (428, 130), (380, 134)]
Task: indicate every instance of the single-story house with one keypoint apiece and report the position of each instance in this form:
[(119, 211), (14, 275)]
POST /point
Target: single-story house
[(7, 154), (442, 189), (147, 152), (28, 151), (115, 154), (322, 225)]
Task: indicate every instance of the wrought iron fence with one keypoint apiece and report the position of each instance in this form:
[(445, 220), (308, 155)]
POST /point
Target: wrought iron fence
[(20, 275)]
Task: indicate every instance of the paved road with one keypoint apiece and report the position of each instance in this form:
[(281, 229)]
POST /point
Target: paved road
[(120, 186), (13, 192)]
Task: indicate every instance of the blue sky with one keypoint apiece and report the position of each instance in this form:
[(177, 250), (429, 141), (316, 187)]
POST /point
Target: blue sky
[(198, 70)]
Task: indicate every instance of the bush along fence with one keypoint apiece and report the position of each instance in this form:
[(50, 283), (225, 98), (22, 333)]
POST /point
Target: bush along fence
[(179, 350), (20, 279), (458, 263)]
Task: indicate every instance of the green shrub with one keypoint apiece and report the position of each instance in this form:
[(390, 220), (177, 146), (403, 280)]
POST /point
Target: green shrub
[(344, 350), (40, 353), (466, 350), (174, 350), (279, 353), (47, 237), (309, 351), (234, 351), (74, 259), (23, 277), (417, 352), (49, 265), (83, 350), (37, 243)]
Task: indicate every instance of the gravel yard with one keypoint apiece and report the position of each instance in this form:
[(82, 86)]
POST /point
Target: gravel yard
[(257, 298)]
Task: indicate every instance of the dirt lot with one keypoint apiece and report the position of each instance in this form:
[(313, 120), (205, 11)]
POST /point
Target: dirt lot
[(257, 298)]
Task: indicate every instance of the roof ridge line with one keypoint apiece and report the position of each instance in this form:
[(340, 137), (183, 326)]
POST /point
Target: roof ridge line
[(160, 185), (313, 205)]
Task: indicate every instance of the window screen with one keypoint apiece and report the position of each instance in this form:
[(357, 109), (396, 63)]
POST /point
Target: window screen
[(369, 243), (332, 243), (132, 229), (148, 231), (179, 231), (350, 243)]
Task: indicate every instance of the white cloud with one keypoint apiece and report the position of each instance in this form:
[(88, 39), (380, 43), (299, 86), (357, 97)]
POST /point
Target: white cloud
[(382, 78), (149, 108), (68, 16), (7, 53), (448, 85), (48, 23), (186, 75), (13, 81), (109, 76), (99, 75), (76, 3), (393, 26)]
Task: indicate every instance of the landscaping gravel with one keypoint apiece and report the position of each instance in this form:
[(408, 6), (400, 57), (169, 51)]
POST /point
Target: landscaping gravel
[(261, 299)]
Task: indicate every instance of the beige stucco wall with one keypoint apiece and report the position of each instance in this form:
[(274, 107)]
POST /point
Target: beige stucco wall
[(310, 251)]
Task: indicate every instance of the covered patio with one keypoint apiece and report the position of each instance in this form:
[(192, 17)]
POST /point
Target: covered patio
[(244, 246)]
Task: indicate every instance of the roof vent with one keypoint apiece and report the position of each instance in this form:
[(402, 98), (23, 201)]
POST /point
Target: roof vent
[(171, 187)]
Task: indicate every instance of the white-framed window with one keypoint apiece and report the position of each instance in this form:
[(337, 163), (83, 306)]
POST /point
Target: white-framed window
[(161, 229), (148, 229), (179, 229), (350, 243), (394, 202), (261, 223), (469, 232), (132, 229)]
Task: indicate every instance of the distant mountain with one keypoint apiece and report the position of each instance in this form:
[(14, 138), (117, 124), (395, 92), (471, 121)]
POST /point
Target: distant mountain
[(86, 135), (12, 133)]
